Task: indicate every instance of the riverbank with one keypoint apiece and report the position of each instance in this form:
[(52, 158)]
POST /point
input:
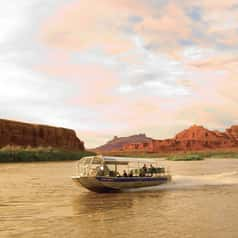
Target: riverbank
[(16, 154), (180, 156)]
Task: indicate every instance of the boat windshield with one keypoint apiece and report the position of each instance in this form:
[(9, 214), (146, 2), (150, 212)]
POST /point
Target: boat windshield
[(88, 166)]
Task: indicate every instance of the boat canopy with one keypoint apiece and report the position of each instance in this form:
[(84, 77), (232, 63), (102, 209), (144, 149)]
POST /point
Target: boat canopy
[(98, 159), (124, 160)]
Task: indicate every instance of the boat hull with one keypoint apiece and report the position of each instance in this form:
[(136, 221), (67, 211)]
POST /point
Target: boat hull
[(116, 184)]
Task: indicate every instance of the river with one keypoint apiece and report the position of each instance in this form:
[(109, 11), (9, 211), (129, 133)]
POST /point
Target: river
[(40, 200)]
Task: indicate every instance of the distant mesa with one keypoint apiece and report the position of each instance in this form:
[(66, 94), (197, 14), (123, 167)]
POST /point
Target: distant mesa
[(118, 143), (16, 133), (195, 138)]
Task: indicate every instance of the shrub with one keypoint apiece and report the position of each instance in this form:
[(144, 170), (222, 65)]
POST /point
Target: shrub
[(9, 154), (185, 157)]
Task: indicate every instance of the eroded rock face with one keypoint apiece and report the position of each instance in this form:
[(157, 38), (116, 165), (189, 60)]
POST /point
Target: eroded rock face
[(192, 139), (232, 132), (199, 138), (26, 134), (139, 146)]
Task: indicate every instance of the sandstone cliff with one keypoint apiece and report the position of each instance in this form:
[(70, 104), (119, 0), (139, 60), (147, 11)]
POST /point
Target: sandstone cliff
[(26, 134), (192, 139), (232, 133)]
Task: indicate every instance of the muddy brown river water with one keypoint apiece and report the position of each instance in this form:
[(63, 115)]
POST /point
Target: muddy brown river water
[(40, 200)]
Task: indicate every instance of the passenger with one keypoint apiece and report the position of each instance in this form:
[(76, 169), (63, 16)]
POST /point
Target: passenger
[(125, 173), (131, 174), (112, 173), (144, 170)]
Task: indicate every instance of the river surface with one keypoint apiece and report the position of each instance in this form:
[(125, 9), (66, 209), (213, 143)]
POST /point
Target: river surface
[(40, 200)]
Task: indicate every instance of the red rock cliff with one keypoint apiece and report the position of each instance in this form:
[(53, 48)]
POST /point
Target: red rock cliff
[(232, 133), (191, 139), (26, 134)]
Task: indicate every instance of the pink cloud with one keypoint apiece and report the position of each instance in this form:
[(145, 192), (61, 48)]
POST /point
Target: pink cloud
[(173, 24), (210, 73), (214, 4), (81, 26), (96, 83)]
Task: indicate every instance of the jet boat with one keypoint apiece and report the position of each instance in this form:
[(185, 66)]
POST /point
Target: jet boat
[(113, 174)]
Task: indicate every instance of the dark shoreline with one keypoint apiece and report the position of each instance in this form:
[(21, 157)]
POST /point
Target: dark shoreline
[(41, 155)]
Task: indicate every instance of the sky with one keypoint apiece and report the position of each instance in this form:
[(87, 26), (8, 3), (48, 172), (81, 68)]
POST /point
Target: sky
[(119, 67)]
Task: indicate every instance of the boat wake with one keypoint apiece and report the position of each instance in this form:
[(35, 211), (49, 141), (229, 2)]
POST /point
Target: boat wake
[(189, 182)]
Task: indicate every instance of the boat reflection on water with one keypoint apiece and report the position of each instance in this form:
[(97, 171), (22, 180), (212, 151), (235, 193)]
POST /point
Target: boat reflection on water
[(113, 174), (118, 214), (91, 204)]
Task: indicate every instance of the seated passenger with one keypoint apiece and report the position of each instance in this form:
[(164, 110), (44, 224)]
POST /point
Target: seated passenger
[(131, 174), (112, 173), (143, 170), (125, 173)]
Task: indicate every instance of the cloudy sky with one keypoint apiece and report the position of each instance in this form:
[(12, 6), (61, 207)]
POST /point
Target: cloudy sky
[(119, 67)]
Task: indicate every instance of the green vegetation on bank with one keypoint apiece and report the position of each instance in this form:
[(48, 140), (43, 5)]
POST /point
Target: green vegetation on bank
[(185, 157), (18, 154), (181, 156), (203, 154), (219, 154)]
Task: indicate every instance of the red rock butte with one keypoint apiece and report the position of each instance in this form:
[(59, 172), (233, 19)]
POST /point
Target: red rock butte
[(195, 138), (15, 133)]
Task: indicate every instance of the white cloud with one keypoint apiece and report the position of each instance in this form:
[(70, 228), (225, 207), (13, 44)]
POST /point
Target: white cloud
[(156, 74), (12, 19)]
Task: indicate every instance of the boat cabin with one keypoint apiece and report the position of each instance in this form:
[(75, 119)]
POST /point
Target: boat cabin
[(95, 166)]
